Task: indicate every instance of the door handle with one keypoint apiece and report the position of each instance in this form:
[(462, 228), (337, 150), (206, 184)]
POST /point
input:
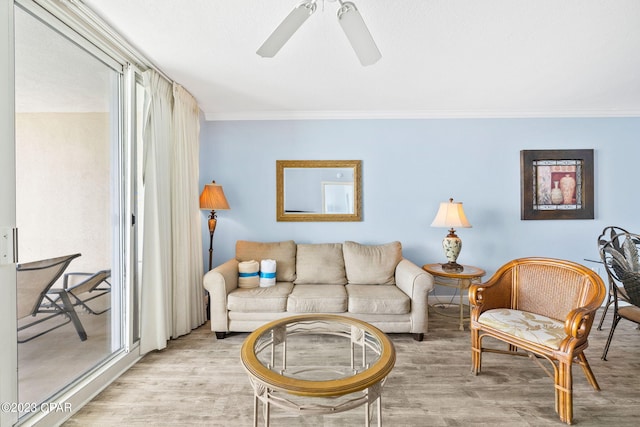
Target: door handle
[(8, 245)]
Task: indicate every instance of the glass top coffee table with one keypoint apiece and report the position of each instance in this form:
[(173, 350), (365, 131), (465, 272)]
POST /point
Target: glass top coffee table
[(317, 364)]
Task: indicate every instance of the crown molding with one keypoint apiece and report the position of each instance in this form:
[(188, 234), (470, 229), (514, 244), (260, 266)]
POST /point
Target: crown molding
[(418, 114)]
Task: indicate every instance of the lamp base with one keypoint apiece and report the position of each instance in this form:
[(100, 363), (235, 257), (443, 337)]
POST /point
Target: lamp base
[(452, 246), (452, 267)]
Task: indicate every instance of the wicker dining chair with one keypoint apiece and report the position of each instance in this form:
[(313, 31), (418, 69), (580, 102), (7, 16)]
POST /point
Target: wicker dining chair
[(620, 258), (542, 308), (615, 289)]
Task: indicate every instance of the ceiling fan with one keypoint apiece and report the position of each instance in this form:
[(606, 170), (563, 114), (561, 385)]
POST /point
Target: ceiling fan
[(349, 18)]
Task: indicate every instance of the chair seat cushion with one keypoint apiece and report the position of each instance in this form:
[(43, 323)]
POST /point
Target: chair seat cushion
[(524, 325), (271, 299), (317, 299), (383, 299), (630, 312)]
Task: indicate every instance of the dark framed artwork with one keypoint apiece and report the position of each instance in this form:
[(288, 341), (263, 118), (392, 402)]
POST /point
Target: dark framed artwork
[(556, 184)]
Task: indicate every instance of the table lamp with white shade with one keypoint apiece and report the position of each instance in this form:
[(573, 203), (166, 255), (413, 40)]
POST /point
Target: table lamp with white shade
[(451, 215)]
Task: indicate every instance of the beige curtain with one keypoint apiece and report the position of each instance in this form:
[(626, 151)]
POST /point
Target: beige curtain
[(171, 288), (188, 292)]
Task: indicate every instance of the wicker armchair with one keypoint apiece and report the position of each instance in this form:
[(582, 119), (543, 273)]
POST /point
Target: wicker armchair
[(615, 289), (542, 308), (620, 258)]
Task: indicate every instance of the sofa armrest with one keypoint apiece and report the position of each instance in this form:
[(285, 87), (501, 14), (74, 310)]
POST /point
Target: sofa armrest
[(416, 283), (219, 282)]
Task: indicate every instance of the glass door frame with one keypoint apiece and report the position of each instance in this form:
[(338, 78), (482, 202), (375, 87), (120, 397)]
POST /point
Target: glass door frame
[(8, 322)]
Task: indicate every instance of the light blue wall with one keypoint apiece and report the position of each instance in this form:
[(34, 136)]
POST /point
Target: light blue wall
[(409, 167)]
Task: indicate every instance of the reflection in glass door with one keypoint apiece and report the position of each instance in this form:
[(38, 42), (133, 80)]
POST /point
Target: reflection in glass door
[(67, 205)]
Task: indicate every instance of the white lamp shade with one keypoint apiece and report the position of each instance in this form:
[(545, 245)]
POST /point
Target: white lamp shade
[(451, 215), (285, 30), (212, 198), (358, 34)]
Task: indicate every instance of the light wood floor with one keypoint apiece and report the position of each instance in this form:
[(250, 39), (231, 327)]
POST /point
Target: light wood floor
[(198, 380)]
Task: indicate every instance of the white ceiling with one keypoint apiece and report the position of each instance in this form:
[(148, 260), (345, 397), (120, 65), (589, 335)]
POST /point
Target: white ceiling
[(440, 58)]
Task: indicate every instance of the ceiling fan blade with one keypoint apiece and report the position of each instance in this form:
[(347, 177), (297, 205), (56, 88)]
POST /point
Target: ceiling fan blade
[(358, 34), (287, 27)]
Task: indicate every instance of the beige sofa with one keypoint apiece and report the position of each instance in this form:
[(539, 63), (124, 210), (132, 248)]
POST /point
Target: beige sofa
[(373, 283)]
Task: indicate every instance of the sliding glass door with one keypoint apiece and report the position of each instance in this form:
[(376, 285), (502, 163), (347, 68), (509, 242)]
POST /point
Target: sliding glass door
[(70, 193), (68, 199), (77, 114)]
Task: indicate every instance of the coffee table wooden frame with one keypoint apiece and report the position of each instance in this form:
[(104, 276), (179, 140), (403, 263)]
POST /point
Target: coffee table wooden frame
[(365, 383)]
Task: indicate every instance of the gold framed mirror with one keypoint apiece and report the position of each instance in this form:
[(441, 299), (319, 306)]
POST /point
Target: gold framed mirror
[(318, 190)]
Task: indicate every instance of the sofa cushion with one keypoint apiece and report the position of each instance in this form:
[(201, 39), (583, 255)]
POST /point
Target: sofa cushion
[(371, 264), (317, 299), (265, 300), (387, 299), (320, 263), (283, 252)]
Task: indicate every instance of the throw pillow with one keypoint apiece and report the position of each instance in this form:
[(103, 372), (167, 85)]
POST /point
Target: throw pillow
[(320, 263), (371, 264)]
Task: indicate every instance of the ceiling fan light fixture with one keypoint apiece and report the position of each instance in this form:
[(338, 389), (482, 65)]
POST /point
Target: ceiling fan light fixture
[(358, 34), (287, 28)]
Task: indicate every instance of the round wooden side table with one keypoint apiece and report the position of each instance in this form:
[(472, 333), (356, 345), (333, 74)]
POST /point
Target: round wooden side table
[(461, 280)]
